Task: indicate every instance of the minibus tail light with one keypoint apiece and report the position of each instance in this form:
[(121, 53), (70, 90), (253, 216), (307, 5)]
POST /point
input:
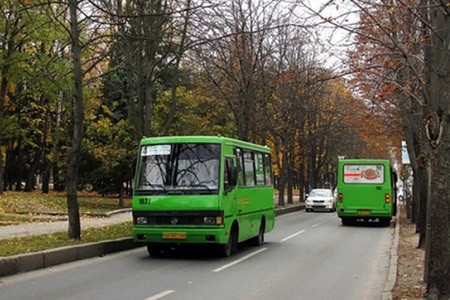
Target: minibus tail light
[(341, 198), (387, 198)]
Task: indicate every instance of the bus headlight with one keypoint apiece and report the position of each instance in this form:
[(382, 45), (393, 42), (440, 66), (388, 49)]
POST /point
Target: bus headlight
[(212, 220), (141, 220)]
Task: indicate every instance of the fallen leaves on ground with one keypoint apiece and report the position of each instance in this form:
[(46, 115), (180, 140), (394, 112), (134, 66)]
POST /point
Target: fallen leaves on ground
[(409, 284)]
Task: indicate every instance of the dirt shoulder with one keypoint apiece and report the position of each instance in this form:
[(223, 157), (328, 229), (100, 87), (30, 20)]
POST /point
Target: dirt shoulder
[(410, 268)]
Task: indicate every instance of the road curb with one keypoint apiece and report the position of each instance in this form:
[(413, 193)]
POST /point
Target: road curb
[(12, 265), (288, 209), (393, 261)]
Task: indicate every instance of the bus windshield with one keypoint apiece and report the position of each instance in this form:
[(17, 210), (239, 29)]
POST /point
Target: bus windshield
[(179, 168)]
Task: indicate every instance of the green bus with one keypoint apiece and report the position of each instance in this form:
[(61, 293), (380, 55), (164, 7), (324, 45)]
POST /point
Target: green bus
[(202, 190), (366, 190)]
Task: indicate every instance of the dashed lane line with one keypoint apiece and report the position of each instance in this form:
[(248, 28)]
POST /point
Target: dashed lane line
[(161, 295), (239, 260), (292, 235)]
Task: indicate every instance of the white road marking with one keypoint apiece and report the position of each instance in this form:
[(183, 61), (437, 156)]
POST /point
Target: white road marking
[(160, 295), (292, 235), (239, 260), (315, 225)]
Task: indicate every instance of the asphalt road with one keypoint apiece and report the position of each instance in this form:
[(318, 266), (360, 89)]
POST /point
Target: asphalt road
[(307, 256)]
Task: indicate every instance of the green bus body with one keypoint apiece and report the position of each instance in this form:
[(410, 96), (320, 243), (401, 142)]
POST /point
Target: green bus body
[(201, 190), (366, 190)]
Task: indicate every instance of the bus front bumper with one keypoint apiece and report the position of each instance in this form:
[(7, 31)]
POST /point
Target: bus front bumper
[(146, 235)]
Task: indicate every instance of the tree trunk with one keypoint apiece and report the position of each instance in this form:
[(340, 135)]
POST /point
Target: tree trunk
[(45, 175), (290, 174), (121, 195), (31, 180), (78, 119), (436, 120), (420, 185), (3, 87)]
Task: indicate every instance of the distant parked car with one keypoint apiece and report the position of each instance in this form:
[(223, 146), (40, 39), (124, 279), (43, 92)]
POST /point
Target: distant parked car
[(320, 199)]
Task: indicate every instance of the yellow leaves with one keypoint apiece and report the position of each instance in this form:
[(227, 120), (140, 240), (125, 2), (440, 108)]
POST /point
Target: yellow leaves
[(391, 10)]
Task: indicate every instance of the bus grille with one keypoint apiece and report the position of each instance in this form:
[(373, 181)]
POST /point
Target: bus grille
[(168, 218)]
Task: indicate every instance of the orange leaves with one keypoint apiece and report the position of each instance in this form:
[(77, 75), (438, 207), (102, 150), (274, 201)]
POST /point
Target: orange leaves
[(386, 91)]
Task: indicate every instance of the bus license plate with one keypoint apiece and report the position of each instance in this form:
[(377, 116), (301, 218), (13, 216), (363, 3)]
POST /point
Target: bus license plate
[(174, 235), (364, 211)]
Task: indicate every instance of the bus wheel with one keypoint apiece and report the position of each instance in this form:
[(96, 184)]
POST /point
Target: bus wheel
[(385, 221), (155, 249), (346, 221), (229, 248), (259, 239)]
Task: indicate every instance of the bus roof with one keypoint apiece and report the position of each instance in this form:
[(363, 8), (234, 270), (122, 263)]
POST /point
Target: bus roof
[(203, 139)]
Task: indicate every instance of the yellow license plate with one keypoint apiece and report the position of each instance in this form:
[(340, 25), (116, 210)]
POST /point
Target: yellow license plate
[(174, 235), (364, 211)]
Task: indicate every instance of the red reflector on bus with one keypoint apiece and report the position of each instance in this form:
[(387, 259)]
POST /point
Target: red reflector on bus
[(387, 198), (341, 197)]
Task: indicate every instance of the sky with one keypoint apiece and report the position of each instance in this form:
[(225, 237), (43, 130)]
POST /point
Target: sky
[(336, 41)]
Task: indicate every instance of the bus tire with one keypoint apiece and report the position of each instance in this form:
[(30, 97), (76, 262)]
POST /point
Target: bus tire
[(155, 249), (346, 221), (259, 239), (226, 250), (385, 221)]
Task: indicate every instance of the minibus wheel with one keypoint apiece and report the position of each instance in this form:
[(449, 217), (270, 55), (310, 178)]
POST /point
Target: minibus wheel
[(156, 249), (347, 221), (230, 248), (259, 239)]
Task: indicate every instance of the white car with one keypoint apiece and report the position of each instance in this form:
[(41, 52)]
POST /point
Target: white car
[(320, 199)]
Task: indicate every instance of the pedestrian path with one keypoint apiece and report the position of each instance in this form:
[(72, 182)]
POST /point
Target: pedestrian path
[(31, 229)]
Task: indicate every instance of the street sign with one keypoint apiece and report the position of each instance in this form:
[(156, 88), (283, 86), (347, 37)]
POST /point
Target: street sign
[(405, 155)]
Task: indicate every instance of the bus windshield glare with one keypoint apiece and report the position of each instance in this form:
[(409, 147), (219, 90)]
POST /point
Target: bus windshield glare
[(179, 168)]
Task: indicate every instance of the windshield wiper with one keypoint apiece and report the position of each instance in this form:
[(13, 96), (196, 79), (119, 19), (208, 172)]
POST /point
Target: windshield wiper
[(203, 186), (200, 185), (155, 185)]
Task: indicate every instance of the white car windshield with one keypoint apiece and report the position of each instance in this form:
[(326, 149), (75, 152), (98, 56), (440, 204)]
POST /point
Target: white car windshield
[(320, 193)]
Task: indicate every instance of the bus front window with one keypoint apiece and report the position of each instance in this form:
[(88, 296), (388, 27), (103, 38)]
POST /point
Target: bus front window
[(179, 168)]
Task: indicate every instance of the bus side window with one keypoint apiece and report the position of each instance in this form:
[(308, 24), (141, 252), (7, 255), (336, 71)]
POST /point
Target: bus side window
[(240, 167), (259, 169), (268, 169), (249, 168)]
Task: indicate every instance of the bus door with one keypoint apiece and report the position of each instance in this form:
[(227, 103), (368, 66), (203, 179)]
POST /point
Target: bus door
[(229, 202), (245, 192)]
